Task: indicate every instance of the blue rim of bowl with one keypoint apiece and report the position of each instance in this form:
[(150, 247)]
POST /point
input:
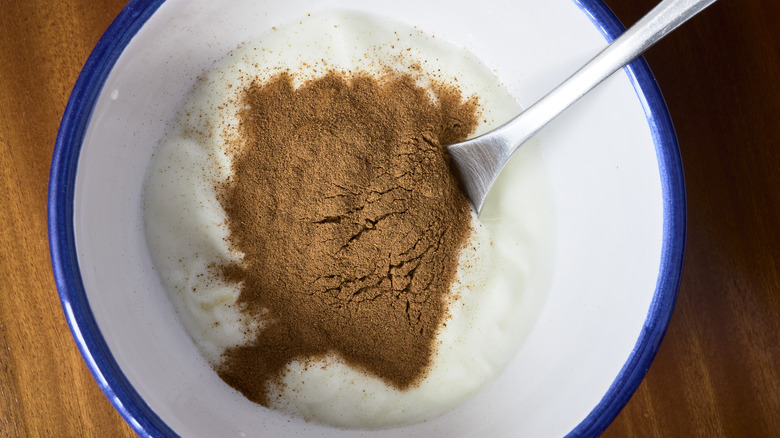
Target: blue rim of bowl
[(62, 246), (674, 229), (104, 368)]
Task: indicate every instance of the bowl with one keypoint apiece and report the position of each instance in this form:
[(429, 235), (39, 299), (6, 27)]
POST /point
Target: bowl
[(603, 293)]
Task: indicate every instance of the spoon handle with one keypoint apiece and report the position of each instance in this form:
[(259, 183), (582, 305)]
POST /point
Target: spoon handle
[(664, 18), (480, 159)]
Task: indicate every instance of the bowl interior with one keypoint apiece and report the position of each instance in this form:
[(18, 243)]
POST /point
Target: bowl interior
[(614, 257)]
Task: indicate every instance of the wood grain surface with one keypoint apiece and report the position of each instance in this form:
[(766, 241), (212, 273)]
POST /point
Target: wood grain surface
[(718, 370)]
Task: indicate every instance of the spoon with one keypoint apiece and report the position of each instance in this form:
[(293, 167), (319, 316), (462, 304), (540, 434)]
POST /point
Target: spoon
[(481, 159)]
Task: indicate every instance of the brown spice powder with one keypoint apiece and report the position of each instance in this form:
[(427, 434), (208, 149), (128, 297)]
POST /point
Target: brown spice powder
[(344, 204)]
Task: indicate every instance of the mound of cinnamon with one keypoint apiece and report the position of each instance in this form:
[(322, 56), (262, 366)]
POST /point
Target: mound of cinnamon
[(350, 221)]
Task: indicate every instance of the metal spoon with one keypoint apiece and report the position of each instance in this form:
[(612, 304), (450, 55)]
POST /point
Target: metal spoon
[(480, 160)]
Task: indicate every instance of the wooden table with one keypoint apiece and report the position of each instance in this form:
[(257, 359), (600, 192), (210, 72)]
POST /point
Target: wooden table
[(718, 370)]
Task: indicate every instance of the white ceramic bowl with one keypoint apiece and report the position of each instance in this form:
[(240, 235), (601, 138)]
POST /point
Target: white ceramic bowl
[(616, 187)]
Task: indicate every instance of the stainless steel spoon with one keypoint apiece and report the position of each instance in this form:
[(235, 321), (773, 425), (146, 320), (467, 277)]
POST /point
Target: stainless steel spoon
[(480, 160)]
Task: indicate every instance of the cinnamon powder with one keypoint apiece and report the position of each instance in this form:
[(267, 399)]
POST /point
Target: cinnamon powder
[(350, 221)]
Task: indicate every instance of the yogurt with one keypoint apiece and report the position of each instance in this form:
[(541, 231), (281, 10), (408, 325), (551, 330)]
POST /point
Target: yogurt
[(497, 292)]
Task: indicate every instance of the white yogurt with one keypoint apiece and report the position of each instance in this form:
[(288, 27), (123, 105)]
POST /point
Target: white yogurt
[(498, 286)]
